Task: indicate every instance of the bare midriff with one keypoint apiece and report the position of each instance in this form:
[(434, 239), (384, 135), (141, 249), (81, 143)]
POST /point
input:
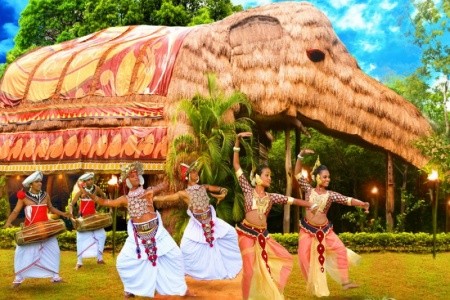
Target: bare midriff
[(318, 218), (145, 217), (254, 217)]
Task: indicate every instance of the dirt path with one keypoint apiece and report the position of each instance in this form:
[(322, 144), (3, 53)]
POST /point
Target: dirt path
[(212, 289)]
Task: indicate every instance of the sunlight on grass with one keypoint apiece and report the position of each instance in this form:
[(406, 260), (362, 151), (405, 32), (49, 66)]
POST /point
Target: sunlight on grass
[(382, 276)]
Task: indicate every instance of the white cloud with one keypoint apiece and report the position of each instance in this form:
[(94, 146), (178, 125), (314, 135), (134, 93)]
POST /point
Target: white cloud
[(339, 3), (353, 18), (394, 28), (254, 3), (386, 5), (369, 46)]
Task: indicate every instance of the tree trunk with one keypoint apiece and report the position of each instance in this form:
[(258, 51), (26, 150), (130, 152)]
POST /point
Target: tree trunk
[(288, 169), (295, 209), (447, 125), (389, 194), (405, 177)]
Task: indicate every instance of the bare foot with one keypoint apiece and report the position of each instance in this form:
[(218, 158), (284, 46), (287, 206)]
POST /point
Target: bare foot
[(101, 262), (77, 267), (349, 285), (128, 295), (16, 285)]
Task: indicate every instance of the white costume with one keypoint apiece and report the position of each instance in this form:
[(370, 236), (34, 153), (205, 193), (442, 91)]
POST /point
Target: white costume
[(204, 261), (140, 277), (89, 243), (41, 259)]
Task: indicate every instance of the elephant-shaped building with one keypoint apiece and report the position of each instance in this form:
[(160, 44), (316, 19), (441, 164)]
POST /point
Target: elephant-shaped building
[(100, 100)]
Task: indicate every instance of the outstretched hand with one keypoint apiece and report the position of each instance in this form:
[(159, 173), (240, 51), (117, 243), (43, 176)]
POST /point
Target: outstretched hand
[(366, 207), (306, 151), (244, 134)]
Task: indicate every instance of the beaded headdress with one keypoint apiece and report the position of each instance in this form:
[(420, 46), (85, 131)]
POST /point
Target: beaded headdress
[(134, 166), (316, 165), (185, 169)]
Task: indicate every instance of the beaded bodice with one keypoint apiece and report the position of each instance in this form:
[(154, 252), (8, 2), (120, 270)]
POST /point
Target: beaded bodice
[(199, 199), (325, 200), (137, 203), (254, 202)]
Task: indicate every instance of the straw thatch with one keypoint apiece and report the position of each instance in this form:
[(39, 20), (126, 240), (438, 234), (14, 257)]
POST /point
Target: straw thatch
[(261, 52)]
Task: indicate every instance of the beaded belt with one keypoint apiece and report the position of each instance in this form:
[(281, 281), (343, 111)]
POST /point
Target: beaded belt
[(146, 226), (313, 229), (254, 231)]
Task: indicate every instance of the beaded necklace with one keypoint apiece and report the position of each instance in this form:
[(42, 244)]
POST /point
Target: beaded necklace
[(36, 198)]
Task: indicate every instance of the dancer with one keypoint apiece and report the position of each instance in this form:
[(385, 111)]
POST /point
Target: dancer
[(150, 260), (89, 243), (267, 264), (319, 248), (40, 259), (209, 244)]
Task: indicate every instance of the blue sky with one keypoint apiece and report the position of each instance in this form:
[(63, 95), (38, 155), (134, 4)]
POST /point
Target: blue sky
[(370, 29)]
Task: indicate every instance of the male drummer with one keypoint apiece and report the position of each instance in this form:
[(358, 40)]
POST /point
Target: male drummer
[(40, 259), (89, 243)]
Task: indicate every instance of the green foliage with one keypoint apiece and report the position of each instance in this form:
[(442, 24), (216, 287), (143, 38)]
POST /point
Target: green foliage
[(376, 242), (210, 142), (411, 205), (4, 203)]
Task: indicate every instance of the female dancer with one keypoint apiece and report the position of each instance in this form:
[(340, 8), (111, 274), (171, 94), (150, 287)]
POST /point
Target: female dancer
[(37, 260), (89, 243), (150, 261), (209, 245), (267, 264), (319, 248)]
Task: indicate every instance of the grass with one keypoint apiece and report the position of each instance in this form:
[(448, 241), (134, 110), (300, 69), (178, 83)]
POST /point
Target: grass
[(381, 275)]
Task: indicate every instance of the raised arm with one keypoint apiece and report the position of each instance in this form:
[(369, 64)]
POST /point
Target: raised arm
[(298, 164), (178, 196), (217, 192), (236, 149), (119, 202)]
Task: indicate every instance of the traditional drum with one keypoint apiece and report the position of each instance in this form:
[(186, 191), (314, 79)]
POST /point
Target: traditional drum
[(39, 232), (94, 222)]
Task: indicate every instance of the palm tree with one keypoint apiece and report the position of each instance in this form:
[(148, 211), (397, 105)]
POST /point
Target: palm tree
[(211, 142)]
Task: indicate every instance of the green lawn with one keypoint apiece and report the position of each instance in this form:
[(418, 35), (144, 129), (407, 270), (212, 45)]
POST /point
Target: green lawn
[(381, 275)]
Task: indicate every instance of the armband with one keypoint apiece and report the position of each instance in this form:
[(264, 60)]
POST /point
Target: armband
[(298, 176), (236, 149), (299, 156), (239, 173), (349, 201), (290, 200)]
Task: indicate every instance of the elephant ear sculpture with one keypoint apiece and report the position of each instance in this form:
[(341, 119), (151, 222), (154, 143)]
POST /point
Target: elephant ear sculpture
[(125, 81)]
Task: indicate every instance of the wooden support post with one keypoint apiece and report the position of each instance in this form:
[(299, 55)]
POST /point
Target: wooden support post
[(390, 194), (288, 169)]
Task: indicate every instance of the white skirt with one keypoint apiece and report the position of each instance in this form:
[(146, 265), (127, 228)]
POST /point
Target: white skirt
[(140, 277), (91, 243), (37, 260), (221, 261)]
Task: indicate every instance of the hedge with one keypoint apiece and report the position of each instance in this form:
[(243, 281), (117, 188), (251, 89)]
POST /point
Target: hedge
[(359, 242)]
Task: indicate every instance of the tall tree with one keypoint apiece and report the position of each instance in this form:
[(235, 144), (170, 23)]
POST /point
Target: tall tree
[(210, 142), (431, 33)]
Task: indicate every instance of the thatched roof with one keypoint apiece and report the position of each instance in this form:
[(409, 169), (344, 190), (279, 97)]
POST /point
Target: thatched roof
[(264, 52)]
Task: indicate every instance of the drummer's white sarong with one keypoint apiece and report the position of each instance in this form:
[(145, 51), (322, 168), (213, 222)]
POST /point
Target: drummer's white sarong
[(37, 260), (221, 261), (140, 277), (90, 244)]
